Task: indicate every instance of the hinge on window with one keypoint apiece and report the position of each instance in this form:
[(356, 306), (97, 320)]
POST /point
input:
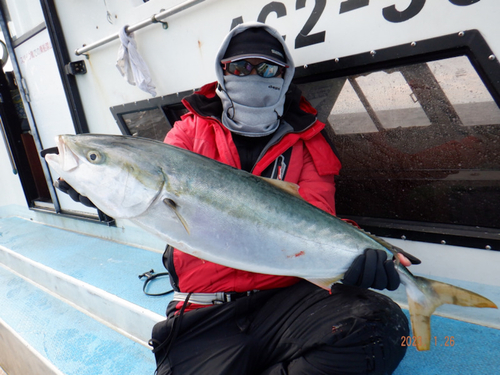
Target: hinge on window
[(25, 89)]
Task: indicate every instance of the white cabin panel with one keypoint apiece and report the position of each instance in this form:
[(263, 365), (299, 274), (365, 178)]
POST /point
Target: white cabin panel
[(24, 16), (181, 57), (47, 99)]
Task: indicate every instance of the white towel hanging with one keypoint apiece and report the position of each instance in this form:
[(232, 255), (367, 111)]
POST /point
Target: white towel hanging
[(131, 65)]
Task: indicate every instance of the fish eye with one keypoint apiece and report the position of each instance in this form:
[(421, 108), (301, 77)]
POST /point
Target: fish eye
[(94, 157)]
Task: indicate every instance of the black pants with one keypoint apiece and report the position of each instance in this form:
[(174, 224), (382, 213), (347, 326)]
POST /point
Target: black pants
[(301, 329)]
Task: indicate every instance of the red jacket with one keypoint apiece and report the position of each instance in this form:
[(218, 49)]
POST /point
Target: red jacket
[(312, 165)]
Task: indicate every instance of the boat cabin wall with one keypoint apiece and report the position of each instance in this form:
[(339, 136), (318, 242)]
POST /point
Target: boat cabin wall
[(180, 54), (181, 57)]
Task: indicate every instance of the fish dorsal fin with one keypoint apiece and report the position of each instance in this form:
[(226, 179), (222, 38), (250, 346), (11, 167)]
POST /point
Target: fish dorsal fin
[(387, 245), (170, 203), (289, 187)]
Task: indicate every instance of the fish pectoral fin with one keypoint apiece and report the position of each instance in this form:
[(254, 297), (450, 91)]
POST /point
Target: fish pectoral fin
[(170, 203), (289, 187), (434, 294), (326, 283)]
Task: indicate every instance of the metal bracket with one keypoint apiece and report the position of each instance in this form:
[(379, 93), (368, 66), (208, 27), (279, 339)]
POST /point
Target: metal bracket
[(163, 23), (76, 67)]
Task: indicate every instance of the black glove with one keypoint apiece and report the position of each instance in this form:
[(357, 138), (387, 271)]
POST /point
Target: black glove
[(372, 269), (66, 188)]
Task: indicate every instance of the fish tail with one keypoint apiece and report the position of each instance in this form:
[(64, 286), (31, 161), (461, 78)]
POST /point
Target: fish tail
[(425, 295)]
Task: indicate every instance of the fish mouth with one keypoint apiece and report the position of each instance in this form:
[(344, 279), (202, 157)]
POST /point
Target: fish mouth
[(61, 157)]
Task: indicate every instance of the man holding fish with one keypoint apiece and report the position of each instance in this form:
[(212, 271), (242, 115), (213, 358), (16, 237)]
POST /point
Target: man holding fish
[(238, 322), (228, 321), (255, 257)]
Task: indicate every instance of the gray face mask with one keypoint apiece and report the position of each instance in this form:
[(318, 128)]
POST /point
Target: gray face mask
[(252, 104)]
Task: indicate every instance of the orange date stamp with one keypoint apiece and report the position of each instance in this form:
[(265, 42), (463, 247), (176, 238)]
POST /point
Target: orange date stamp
[(447, 341)]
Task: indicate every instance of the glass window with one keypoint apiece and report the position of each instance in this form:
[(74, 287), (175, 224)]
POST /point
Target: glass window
[(149, 123), (391, 99), (466, 92), (420, 143), (138, 120), (349, 116), (22, 16)]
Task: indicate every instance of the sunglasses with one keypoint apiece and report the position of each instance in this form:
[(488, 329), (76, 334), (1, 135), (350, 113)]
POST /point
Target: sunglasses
[(243, 68)]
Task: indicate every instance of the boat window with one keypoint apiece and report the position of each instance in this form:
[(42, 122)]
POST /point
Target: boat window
[(149, 123), (24, 17), (151, 118), (419, 143)]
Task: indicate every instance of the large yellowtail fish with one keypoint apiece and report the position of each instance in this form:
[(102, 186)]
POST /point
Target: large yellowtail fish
[(231, 217)]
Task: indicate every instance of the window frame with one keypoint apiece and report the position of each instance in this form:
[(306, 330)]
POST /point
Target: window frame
[(469, 43), (172, 101)]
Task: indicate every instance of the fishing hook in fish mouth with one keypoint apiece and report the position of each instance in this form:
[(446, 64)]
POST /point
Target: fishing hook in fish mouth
[(51, 150), (66, 158)]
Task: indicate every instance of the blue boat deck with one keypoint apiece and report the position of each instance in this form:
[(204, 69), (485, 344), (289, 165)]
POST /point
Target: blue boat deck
[(77, 302), (70, 340), (106, 265), (457, 348)]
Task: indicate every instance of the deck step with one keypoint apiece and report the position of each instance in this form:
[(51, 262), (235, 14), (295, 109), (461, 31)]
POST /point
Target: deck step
[(69, 301), (41, 334), (73, 304)]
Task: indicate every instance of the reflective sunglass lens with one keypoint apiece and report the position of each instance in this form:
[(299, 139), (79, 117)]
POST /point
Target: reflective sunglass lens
[(267, 70), (239, 68), (244, 68)]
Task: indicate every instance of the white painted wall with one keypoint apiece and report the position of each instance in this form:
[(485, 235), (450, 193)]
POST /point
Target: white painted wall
[(182, 57)]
